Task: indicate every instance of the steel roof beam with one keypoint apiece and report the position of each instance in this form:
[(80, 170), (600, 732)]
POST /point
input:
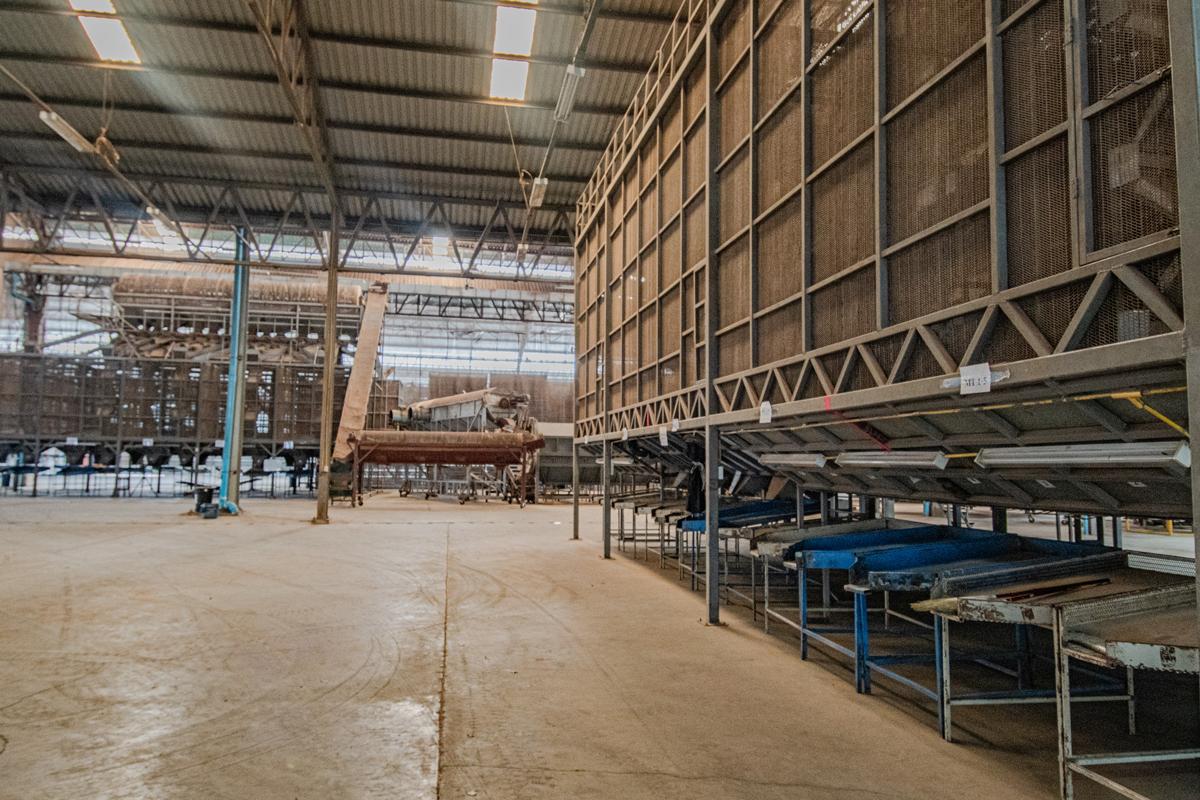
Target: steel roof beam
[(333, 125), (183, 180), (267, 79), (270, 155), (334, 38)]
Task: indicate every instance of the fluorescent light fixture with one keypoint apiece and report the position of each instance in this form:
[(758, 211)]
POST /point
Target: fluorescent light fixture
[(508, 79), (537, 195), (911, 459), (809, 460), (110, 39), (514, 31), (94, 6), (566, 93), (63, 128), (1175, 455), (617, 461)]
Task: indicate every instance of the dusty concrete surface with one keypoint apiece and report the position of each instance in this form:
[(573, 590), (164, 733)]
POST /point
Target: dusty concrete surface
[(146, 654)]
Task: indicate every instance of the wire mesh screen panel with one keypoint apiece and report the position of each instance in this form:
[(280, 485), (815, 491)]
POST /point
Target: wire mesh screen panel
[(780, 272), (1034, 68), (949, 267), (938, 153), (843, 213), (1039, 213), (844, 309), (925, 37), (780, 59), (1083, 171), (1133, 167), (841, 88)]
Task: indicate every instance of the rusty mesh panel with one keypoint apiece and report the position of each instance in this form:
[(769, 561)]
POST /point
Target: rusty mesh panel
[(671, 256), (859, 378), (1166, 273), (694, 88), (733, 351), (733, 108), (648, 321), (671, 186), (1051, 311), (844, 309), (648, 383), (780, 268), (1035, 95), (940, 271), (937, 161), (780, 61), (672, 123), (833, 364), (668, 324), (777, 157), (629, 391), (616, 360), (734, 196), (778, 333), (648, 160), (694, 161), (955, 334), (1039, 213), (668, 375), (886, 351), (1123, 317), (648, 214), (689, 300), (842, 88), (1006, 344), (829, 18), (631, 348), (1126, 40), (843, 214), (701, 288), (688, 364), (732, 35), (733, 283), (694, 236), (923, 37), (1133, 168), (616, 244), (631, 293), (701, 362), (649, 274), (921, 364), (632, 242)]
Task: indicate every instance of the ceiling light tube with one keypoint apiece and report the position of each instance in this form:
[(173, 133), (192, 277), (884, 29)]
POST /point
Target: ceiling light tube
[(617, 461), (809, 460), (911, 459), (64, 129), (537, 194), (1167, 455), (566, 93)]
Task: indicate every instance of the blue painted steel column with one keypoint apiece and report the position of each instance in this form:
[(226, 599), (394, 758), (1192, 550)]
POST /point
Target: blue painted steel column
[(862, 647), (712, 523), (235, 389)]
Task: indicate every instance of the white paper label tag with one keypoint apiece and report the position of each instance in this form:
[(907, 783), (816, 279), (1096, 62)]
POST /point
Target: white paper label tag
[(975, 379), (219, 444), (289, 445), (624, 434), (662, 436), (147, 442), (764, 412), (72, 440), (674, 425), (720, 473)]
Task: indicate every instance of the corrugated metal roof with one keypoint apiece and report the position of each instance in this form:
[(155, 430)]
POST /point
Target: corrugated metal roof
[(415, 65)]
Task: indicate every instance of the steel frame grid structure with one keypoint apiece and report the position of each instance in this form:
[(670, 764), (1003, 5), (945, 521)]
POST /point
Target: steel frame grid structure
[(834, 381), (1007, 319)]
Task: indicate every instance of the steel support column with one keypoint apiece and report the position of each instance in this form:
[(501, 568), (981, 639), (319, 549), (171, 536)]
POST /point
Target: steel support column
[(574, 491), (606, 495), (712, 522), (1184, 19), (235, 388)]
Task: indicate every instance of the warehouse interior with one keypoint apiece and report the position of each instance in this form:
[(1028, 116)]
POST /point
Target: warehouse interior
[(611, 398)]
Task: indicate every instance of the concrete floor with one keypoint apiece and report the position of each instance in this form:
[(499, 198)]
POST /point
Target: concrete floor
[(418, 650)]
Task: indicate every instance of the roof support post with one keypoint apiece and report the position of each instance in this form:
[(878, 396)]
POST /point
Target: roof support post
[(1184, 25), (235, 389)]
